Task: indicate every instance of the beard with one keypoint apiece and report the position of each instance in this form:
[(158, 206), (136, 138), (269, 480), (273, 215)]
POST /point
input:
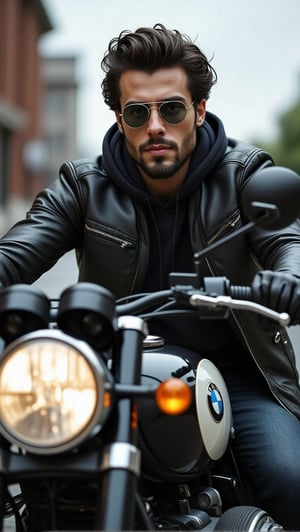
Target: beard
[(159, 167)]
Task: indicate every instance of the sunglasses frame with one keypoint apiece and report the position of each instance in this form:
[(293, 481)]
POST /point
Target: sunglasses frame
[(156, 105)]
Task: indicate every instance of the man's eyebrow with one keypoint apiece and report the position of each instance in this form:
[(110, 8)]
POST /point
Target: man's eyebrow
[(169, 99)]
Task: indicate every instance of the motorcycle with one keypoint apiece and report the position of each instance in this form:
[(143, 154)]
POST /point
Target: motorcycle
[(105, 427)]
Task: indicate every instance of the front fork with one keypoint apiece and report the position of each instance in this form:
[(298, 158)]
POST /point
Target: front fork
[(121, 458)]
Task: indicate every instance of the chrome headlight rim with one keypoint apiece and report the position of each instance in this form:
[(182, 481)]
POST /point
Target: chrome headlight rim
[(103, 383)]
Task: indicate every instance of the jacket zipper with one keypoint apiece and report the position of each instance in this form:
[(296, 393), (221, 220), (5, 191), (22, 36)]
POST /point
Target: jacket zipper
[(222, 229), (121, 241)]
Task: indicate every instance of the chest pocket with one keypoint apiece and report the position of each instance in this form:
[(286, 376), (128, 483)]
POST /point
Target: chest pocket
[(109, 258)]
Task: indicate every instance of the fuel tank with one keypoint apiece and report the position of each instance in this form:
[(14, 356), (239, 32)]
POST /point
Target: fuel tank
[(177, 448)]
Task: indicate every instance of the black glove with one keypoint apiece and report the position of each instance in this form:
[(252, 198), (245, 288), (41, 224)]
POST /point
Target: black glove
[(279, 291)]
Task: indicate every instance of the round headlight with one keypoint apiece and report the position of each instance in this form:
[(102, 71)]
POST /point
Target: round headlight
[(54, 392)]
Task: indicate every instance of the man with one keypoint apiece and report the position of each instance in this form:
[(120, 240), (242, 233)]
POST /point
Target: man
[(167, 184)]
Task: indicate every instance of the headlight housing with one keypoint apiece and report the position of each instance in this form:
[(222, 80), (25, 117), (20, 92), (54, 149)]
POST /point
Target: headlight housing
[(54, 392)]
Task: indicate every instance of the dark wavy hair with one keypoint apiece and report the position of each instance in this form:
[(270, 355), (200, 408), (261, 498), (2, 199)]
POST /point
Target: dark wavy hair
[(149, 49)]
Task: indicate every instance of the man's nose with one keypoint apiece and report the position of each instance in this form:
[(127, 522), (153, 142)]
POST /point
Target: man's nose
[(155, 123)]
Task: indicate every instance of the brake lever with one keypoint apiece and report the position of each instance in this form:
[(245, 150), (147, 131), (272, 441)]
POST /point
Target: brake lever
[(199, 300)]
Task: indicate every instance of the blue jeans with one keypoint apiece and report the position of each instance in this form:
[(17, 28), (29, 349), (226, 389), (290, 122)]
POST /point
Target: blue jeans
[(267, 447)]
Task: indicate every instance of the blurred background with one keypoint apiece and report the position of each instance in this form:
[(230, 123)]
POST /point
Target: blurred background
[(51, 106)]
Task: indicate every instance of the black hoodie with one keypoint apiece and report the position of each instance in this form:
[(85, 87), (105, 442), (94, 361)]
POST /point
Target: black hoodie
[(170, 246)]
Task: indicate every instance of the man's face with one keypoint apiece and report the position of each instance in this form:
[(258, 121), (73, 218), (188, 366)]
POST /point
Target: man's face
[(161, 150)]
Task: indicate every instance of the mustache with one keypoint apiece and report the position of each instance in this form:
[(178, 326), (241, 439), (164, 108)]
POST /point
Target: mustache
[(158, 140)]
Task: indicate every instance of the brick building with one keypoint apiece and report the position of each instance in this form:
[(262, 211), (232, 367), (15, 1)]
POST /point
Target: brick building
[(22, 23)]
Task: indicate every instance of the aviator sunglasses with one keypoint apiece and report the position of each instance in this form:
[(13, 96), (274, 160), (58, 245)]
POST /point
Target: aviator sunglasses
[(170, 111)]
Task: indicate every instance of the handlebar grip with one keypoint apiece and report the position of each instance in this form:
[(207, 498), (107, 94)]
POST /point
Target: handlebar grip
[(241, 292)]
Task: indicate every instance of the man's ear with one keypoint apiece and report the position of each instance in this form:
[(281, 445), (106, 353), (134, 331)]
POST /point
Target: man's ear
[(200, 112), (119, 121)]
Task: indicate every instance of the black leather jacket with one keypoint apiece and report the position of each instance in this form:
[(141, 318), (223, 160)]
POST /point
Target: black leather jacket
[(85, 210)]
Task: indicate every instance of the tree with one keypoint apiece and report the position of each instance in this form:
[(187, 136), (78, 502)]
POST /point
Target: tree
[(286, 148)]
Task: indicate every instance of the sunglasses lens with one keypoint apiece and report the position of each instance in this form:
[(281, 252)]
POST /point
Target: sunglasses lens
[(135, 115), (173, 112)]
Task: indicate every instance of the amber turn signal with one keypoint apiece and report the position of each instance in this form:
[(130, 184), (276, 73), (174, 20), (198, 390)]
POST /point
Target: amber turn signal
[(173, 396)]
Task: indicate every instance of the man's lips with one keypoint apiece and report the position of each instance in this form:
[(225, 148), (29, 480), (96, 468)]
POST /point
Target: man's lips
[(158, 149)]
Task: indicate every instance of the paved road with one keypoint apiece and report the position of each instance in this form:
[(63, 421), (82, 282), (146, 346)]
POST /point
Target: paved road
[(62, 275)]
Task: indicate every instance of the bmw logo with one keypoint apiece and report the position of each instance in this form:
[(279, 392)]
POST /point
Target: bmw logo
[(215, 402)]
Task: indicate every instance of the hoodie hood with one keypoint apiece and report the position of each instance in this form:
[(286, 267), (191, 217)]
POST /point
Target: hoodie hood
[(122, 169)]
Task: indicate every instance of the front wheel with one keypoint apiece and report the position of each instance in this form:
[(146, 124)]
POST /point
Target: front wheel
[(246, 519)]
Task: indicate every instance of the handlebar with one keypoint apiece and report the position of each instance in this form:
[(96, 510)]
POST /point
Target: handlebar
[(188, 297), (215, 295)]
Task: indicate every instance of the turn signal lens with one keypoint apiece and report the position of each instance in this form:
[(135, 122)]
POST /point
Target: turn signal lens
[(173, 396)]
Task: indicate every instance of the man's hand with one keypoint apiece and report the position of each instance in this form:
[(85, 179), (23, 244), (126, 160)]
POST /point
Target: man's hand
[(279, 291)]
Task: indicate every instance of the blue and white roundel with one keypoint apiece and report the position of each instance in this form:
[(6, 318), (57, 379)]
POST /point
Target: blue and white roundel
[(213, 409), (215, 402)]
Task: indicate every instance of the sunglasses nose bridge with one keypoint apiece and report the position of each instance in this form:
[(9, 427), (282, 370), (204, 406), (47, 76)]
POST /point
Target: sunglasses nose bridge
[(156, 107), (157, 115)]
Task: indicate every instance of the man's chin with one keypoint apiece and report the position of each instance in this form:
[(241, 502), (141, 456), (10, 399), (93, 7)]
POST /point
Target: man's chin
[(160, 170)]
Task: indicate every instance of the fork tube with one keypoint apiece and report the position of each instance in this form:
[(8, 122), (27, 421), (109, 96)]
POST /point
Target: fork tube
[(121, 459)]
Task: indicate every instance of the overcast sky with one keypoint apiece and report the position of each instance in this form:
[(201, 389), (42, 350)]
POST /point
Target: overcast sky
[(255, 45)]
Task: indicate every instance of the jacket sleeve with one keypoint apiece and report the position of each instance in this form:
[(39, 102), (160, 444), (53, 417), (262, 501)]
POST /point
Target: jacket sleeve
[(51, 227), (278, 250)]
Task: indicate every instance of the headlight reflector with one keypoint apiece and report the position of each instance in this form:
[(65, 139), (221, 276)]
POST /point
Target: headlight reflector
[(53, 392)]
